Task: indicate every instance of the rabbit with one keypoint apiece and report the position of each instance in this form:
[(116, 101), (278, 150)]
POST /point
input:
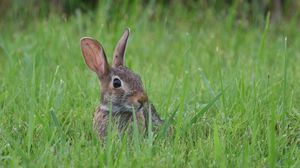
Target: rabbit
[(122, 91)]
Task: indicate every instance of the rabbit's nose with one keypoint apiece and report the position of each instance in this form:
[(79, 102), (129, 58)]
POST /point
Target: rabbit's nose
[(142, 98)]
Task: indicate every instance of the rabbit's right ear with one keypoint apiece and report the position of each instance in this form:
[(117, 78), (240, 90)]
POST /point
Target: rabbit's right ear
[(94, 56), (119, 52)]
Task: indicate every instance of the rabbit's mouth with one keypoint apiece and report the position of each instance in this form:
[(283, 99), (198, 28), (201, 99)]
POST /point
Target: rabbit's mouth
[(117, 108), (124, 104), (141, 106), (135, 107)]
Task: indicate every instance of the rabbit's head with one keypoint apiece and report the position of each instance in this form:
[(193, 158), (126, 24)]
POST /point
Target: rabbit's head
[(121, 89)]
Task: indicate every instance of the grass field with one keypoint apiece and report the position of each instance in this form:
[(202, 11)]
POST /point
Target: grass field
[(233, 87)]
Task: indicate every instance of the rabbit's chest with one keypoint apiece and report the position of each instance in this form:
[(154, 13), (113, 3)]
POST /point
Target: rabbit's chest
[(122, 121)]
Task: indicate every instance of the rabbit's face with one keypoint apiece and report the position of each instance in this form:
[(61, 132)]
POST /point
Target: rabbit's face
[(122, 90)]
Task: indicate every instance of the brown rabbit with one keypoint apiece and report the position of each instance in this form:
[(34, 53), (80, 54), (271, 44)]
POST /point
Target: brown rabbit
[(122, 91)]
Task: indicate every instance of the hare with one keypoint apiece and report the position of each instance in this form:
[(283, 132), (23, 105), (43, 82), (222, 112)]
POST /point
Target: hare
[(122, 91)]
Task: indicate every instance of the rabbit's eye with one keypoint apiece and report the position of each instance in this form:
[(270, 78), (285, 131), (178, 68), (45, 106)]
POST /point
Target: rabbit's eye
[(117, 83)]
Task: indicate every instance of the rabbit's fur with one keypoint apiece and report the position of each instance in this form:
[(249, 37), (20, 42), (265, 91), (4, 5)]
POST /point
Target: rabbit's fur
[(122, 91)]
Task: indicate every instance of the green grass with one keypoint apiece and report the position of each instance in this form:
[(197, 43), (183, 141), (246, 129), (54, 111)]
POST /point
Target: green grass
[(233, 89)]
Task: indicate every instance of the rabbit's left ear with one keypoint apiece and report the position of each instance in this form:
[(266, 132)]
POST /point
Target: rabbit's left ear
[(119, 53), (94, 56)]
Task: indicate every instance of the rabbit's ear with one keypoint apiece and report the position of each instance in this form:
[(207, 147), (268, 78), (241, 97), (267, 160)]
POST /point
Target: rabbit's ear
[(94, 56), (119, 52)]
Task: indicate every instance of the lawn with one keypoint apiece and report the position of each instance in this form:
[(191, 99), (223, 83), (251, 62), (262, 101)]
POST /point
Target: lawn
[(231, 90)]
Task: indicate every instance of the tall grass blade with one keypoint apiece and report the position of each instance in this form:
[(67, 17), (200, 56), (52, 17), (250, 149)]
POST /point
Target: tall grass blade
[(220, 156), (284, 102), (205, 109), (208, 86), (54, 118)]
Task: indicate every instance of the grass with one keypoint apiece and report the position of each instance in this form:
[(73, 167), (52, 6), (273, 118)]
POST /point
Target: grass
[(233, 89)]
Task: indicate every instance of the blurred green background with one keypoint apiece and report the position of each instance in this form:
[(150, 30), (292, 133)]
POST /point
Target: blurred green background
[(250, 10), (226, 74)]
